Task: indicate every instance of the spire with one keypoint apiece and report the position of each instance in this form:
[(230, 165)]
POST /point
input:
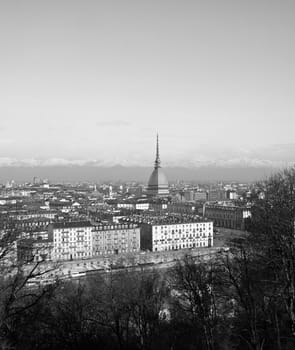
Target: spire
[(157, 161)]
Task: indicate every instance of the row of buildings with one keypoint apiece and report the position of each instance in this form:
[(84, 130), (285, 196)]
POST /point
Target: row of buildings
[(84, 240), (192, 195)]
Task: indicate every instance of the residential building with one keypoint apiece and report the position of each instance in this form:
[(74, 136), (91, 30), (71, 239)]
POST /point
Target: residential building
[(227, 215), (31, 250), (216, 195), (82, 240), (173, 232), (189, 195), (200, 196), (115, 239), (71, 240)]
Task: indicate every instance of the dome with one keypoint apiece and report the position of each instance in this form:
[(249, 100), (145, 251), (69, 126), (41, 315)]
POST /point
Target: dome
[(158, 178), (158, 183)]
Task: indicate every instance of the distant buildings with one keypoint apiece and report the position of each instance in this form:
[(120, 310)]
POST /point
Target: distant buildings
[(227, 215), (181, 208), (216, 195), (189, 195), (133, 205), (200, 196)]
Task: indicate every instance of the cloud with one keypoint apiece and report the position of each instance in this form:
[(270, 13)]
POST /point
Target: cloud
[(31, 162), (277, 156), (13, 162), (112, 123), (279, 152), (5, 161)]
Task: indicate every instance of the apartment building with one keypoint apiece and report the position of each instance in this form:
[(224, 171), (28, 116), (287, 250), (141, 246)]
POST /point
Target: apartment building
[(115, 239), (173, 232), (82, 240), (227, 215), (71, 240)]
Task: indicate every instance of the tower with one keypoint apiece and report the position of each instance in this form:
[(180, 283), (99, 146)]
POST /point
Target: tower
[(158, 183)]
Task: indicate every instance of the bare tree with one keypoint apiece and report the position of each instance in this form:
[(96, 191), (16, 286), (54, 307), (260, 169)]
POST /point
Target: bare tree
[(111, 310), (146, 303), (242, 286), (272, 228), (193, 282), (16, 293), (128, 304)]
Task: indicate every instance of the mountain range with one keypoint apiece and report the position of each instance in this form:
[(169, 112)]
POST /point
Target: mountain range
[(98, 173)]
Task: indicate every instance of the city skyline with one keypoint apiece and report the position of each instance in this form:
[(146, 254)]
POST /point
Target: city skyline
[(93, 83)]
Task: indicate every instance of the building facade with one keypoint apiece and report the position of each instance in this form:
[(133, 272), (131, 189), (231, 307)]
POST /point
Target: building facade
[(216, 195), (228, 216), (71, 240), (164, 235), (115, 239), (200, 196), (82, 240)]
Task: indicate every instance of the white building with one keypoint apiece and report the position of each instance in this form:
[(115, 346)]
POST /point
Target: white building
[(142, 206), (71, 240), (173, 233), (82, 240), (132, 205)]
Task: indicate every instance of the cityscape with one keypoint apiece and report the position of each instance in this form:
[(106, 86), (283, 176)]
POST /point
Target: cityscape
[(68, 222), (147, 175), (60, 235)]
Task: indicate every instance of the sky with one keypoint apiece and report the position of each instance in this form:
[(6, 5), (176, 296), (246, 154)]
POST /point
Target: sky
[(92, 80)]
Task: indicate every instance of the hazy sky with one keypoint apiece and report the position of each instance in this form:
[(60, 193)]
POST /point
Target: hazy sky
[(91, 79)]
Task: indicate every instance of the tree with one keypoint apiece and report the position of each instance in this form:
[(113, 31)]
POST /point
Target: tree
[(193, 284), (17, 295), (243, 287), (128, 305), (146, 303), (111, 309), (272, 236)]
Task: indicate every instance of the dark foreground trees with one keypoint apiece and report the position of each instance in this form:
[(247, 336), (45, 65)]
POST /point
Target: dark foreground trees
[(17, 296), (116, 311), (272, 238), (193, 284)]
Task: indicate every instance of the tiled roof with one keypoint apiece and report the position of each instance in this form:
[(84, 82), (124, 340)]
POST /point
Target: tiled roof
[(71, 224)]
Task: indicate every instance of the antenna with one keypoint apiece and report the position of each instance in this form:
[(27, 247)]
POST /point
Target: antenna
[(157, 161)]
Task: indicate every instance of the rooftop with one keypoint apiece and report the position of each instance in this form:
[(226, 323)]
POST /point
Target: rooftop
[(165, 219), (71, 224), (228, 205), (109, 227)]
